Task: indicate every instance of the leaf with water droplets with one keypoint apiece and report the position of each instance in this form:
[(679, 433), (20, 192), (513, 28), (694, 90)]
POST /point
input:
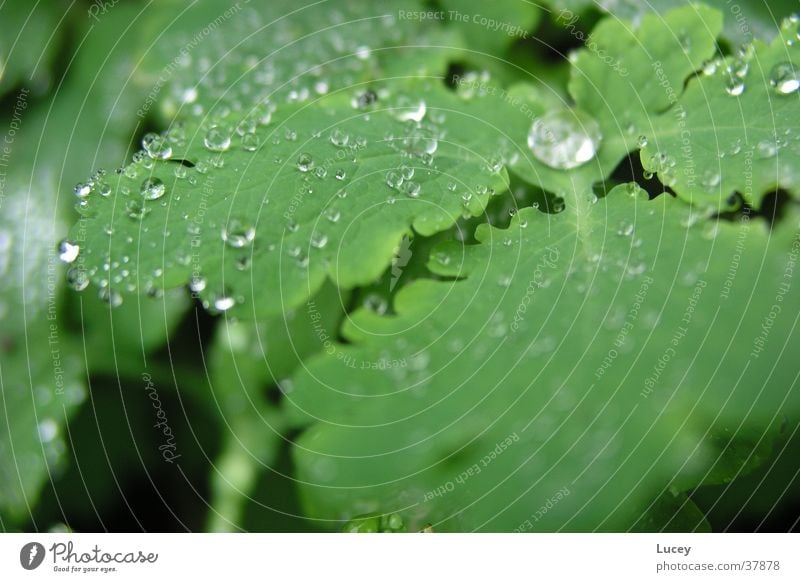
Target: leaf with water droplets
[(263, 229), (578, 368), (740, 127)]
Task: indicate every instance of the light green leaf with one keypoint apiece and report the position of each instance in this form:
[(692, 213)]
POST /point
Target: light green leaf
[(712, 143), (575, 365), (248, 361), (327, 193), (40, 367), (30, 37), (490, 27)]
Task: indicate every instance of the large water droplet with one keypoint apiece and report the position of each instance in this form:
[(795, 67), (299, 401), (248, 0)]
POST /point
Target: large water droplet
[(217, 139), (152, 189), (156, 146), (564, 139), (68, 251), (784, 78), (238, 233)]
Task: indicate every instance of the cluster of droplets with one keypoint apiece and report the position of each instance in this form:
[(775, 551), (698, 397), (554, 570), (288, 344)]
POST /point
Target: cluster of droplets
[(783, 76), (293, 59)]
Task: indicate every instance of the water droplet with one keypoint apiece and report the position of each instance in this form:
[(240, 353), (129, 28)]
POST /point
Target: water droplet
[(362, 53), (217, 139), (766, 149), (156, 146), (394, 179), (376, 303), (78, 278), (136, 209), (711, 178), (642, 141), (408, 109), (339, 138), (319, 240), (564, 139), (784, 78), (197, 284), (709, 67), (340, 175), (734, 86), (152, 189), (250, 142), (238, 233), (68, 251), (411, 188), (83, 189), (223, 302), (305, 162), (113, 298)]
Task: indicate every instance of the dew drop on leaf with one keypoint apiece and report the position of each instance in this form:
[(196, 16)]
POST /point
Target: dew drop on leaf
[(734, 86), (305, 162), (339, 138), (77, 278), (217, 139), (238, 233), (408, 109), (156, 146), (68, 251), (784, 78), (152, 189), (83, 189), (564, 139)]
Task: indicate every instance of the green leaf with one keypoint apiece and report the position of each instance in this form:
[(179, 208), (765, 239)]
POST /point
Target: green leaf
[(30, 37), (246, 362), (575, 351), (744, 21), (712, 144), (491, 27), (320, 197), (674, 513), (40, 367)]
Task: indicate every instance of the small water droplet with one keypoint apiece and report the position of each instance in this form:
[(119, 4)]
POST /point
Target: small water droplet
[(305, 162), (766, 149), (394, 179), (238, 233), (408, 109), (319, 240), (156, 146), (78, 278), (217, 139), (564, 139), (152, 189), (83, 189), (136, 209), (108, 295), (68, 251), (250, 142), (734, 86), (223, 302), (784, 78), (339, 138)]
